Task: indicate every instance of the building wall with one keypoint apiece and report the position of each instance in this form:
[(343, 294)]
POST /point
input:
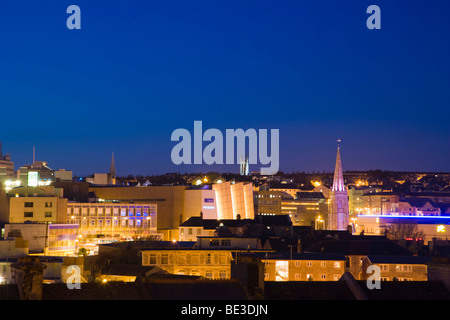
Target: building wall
[(113, 220), (13, 248), (212, 264), (305, 211), (228, 243), (303, 270), (191, 233), (248, 201), (289, 191), (224, 200), (432, 227), (37, 209), (354, 265), (234, 199), (268, 202), (35, 233), (200, 200), (398, 272), (58, 239), (169, 199)]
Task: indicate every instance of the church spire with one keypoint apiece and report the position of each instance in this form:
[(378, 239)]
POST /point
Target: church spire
[(338, 213), (338, 181), (112, 169)]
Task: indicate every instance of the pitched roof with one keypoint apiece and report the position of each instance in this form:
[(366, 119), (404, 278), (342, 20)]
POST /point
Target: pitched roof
[(200, 222), (310, 195), (196, 290), (360, 247), (307, 290), (398, 259), (294, 256), (276, 220), (407, 290), (128, 270)]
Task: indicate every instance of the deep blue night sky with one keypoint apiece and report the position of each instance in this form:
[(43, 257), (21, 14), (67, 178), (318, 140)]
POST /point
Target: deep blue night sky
[(137, 70)]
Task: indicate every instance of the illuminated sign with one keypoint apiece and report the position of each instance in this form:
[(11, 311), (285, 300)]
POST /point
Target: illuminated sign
[(33, 178), (440, 228), (209, 200), (209, 207)]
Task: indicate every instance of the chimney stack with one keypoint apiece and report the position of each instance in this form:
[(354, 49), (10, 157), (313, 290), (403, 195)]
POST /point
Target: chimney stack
[(299, 246), (28, 274)]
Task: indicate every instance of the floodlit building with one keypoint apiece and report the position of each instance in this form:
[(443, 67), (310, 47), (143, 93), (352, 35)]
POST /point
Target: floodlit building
[(306, 208), (37, 205), (431, 226), (285, 266), (268, 202), (234, 199), (48, 238), (200, 201), (197, 227), (6, 166), (113, 220), (398, 268), (338, 212), (168, 199), (209, 263)]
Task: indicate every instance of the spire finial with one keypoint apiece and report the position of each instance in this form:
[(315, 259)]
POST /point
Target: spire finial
[(339, 142)]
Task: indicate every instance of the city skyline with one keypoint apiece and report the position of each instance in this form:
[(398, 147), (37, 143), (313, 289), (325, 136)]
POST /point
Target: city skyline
[(136, 72)]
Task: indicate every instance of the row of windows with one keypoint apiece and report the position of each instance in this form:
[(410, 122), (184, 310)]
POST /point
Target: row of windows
[(323, 264), (31, 204), (99, 211), (307, 277), (398, 267), (269, 196), (29, 214), (107, 223), (163, 259), (208, 274), (223, 242)]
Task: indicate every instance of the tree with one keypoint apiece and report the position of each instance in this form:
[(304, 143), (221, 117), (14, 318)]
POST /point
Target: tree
[(83, 252), (399, 231)]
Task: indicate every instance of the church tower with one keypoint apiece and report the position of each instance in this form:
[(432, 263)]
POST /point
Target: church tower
[(112, 169), (338, 214)]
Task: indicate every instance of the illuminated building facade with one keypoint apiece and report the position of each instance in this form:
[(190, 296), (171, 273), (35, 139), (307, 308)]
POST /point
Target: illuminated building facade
[(48, 238), (432, 226), (306, 208), (37, 208), (398, 268), (303, 266), (198, 201), (338, 212), (288, 190), (197, 227), (169, 201), (210, 263), (6, 166), (268, 202), (234, 200), (117, 221)]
